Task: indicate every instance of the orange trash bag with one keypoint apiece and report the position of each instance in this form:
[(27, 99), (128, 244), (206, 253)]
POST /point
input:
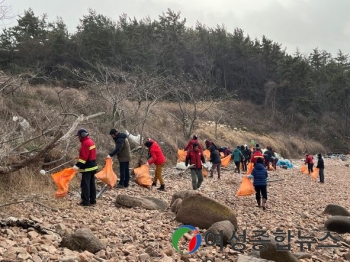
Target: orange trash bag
[(250, 167), (304, 170), (143, 178), (315, 173), (181, 155), (62, 180), (246, 188), (222, 155), (107, 175), (206, 154), (204, 172), (226, 161)]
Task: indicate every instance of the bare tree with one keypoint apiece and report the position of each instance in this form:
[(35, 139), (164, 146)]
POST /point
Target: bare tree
[(193, 98), (5, 11), (216, 115)]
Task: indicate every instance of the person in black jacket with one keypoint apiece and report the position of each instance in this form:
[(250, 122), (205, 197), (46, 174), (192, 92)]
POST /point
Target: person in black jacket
[(215, 160), (122, 150), (320, 166)]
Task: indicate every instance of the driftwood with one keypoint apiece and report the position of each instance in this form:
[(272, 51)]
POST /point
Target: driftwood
[(25, 223), (58, 138)]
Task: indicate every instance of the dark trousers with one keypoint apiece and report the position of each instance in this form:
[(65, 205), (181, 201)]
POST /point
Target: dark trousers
[(218, 167), (245, 165), (262, 190), (237, 166), (321, 174), (124, 174), (310, 167), (88, 188)]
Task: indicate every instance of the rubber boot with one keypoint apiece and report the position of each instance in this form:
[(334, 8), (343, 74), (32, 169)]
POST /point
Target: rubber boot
[(264, 204), (259, 203), (162, 188), (154, 184)]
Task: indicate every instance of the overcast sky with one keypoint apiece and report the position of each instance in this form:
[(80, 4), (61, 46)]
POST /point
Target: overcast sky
[(303, 24)]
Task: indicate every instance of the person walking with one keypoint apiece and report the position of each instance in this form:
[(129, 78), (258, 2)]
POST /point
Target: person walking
[(309, 160), (320, 166), (237, 157), (87, 166), (195, 158), (260, 182), (215, 160), (191, 142), (122, 150), (157, 158)]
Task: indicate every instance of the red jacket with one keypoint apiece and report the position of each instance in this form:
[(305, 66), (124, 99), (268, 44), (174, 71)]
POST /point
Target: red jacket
[(156, 153), (256, 155), (87, 155), (189, 145), (309, 159), (196, 158)]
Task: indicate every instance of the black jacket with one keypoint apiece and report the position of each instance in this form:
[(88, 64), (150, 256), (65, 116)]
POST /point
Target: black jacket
[(320, 163), (214, 155)]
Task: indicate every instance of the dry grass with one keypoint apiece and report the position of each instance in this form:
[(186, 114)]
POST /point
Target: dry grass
[(240, 123)]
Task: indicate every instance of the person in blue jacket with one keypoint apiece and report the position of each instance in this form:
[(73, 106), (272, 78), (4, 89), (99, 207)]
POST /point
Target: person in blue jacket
[(260, 182)]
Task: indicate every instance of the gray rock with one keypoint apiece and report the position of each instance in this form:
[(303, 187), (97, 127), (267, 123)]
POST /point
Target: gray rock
[(82, 239), (174, 207), (183, 194), (150, 203), (276, 255), (339, 224), (302, 255), (201, 211), (227, 231), (243, 258), (336, 210)]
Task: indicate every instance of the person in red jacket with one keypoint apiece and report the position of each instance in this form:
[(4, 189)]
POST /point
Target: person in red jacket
[(195, 158), (158, 159), (256, 154), (190, 143), (309, 160), (87, 166)]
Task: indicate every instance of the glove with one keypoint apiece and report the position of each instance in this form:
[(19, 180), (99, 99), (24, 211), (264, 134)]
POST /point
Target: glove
[(75, 168), (250, 176), (108, 156)]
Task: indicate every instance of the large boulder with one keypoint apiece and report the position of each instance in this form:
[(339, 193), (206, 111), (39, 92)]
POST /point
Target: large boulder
[(150, 203), (82, 239), (227, 230), (336, 210), (339, 224), (201, 211), (183, 194), (273, 254), (176, 205)]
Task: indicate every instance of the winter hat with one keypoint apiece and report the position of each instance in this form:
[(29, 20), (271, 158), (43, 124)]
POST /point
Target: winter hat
[(148, 144), (113, 131), (195, 137), (82, 132)]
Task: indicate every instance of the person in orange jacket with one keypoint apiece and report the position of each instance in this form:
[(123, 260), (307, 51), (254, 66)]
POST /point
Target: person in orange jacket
[(157, 158)]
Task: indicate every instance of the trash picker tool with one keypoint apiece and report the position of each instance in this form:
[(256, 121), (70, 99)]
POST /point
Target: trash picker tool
[(44, 172)]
